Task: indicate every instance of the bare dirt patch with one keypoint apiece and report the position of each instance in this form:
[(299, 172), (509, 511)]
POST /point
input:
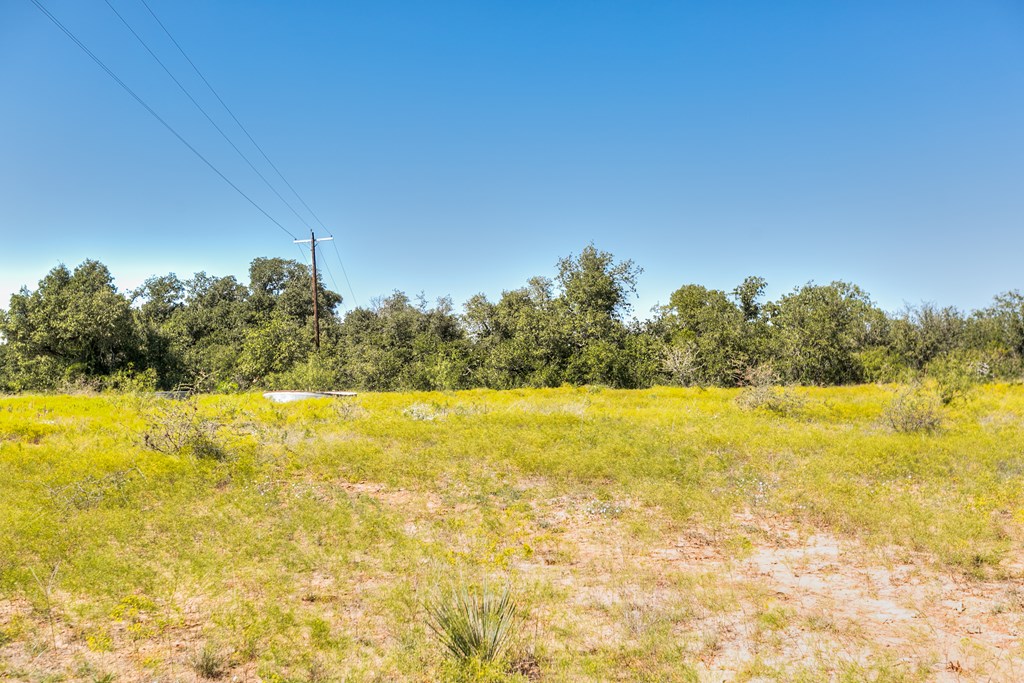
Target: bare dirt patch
[(792, 602), (959, 628)]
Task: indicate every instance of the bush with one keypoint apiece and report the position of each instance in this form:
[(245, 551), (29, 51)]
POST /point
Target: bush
[(914, 410), (955, 374), (473, 623), (883, 365), (681, 366), (176, 427), (761, 391), (128, 381), (314, 374), (209, 662)]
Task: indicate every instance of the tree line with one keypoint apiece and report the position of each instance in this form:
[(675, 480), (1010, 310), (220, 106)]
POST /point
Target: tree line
[(218, 334)]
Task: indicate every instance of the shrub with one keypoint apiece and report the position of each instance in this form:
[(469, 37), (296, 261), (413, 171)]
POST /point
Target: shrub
[(761, 391), (681, 365), (315, 374), (914, 410), (209, 662), (883, 365), (93, 490), (425, 412), (128, 381), (474, 623), (955, 374), (176, 427)]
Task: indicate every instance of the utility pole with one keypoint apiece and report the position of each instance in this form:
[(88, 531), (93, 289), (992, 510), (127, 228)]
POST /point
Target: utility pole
[(316, 314)]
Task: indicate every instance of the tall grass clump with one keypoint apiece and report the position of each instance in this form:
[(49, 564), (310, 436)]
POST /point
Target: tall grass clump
[(210, 662), (474, 623)]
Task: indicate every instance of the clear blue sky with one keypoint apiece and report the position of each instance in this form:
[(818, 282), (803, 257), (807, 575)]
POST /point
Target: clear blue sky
[(457, 147)]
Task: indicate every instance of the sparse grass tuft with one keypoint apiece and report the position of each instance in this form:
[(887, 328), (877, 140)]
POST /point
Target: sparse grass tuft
[(210, 662)]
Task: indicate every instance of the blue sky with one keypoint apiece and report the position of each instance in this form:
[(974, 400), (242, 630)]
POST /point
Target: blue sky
[(457, 147)]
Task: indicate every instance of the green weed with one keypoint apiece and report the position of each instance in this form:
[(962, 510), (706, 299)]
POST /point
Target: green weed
[(210, 662)]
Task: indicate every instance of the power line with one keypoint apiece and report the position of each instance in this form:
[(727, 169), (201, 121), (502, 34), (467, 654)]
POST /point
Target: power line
[(145, 106), (203, 111), (344, 272), (328, 269), (305, 259), (254, 143), (232, 115)]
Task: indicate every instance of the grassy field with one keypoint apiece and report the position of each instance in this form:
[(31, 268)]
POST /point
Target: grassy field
[(657, 535)]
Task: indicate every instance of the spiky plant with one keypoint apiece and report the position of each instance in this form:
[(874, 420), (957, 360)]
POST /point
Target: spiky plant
[(209, 662), (474, 623)]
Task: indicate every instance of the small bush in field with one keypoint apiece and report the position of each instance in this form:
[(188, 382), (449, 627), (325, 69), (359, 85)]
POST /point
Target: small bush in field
[(176, 427), (209, 662), (914, 410), (761, 391), (680, 362), (425, 412), (474, 623)]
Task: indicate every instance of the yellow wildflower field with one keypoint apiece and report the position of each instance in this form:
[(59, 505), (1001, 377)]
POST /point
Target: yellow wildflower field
[(663, 535)]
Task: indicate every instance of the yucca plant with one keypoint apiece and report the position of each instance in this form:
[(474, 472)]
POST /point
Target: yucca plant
[(474, 622)]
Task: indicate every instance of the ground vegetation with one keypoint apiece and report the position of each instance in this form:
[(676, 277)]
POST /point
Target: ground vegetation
[(567, 534)]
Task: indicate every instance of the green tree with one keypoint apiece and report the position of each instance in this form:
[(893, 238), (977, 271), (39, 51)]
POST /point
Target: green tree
[(209, 329), (919, 335), (281, 287), (276, 346), (570, 329), (520, 340), (1007, 314), (747, 295), (76, 323), (819, 330), (592, 306), (595, 291), (159, 297), (396, 344), (705, 332), (155, 303), (996, 333)]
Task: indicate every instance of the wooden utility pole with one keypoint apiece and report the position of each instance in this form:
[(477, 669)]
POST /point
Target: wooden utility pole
[(316, 314)]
